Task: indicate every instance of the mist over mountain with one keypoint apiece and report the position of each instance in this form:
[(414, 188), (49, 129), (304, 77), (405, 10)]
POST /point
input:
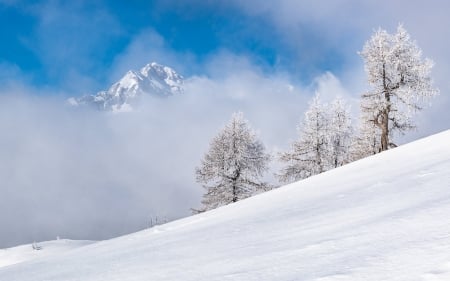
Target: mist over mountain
[(153, 79)]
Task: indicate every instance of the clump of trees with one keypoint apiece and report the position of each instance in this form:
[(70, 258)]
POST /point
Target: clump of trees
[(323, 143), (400, 85)]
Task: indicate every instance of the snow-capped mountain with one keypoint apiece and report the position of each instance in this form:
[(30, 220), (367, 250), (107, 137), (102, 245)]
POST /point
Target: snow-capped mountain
[(153, 79)]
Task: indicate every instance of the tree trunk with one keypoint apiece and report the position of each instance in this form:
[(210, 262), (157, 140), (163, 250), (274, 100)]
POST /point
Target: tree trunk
[(235, 198), (384, 133), (235, 187), (385, 114)]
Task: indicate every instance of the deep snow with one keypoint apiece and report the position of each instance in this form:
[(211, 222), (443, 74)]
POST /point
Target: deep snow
[(24, 253), (382, 218)]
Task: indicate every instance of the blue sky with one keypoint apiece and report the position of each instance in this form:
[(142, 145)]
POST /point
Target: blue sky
[(88, 175), (58, 44), (46, 38), (52, 42)]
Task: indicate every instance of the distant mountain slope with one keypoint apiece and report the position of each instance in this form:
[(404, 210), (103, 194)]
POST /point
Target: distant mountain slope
[(33, 251), (381, 218), (153, 79)]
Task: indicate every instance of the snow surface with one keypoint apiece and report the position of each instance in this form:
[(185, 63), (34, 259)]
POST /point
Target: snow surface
[(381, 218), (23, 253)]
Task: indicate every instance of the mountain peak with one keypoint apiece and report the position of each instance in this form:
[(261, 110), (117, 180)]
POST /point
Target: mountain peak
[(153, 79)]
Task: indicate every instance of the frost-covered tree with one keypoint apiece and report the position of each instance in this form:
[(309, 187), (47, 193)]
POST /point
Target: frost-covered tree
[(308, 155), (368, 139), (232, 168), (400, 83), (340, 133), (366, 142), (325, 137)]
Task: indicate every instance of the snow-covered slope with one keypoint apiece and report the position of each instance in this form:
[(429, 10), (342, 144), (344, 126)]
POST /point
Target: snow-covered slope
[(382, 218), (38, 250), (153, 79)]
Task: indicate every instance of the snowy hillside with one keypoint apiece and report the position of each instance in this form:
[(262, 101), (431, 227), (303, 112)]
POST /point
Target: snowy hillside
[(382, 218), (153, 79), (38, 250)]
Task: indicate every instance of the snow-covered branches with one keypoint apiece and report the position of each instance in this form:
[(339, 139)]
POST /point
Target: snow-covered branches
[(340, 132), (324, 141), (233, 166), (400, 83)]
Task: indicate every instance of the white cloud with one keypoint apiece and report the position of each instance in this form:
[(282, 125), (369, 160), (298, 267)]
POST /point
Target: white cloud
[(93, 175), (343, 26), (149, 46)]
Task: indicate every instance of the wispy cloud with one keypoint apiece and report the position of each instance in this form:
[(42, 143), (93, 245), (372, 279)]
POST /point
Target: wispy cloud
[(72, 41), (148, 46)]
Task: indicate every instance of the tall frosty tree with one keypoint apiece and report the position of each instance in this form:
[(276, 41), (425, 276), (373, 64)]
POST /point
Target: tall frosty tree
[(400, 83), (232, 168), (308, 155)]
